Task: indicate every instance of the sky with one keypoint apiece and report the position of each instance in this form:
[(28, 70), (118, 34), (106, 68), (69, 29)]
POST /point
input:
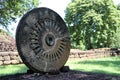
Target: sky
[(58, 6), (116, 1)]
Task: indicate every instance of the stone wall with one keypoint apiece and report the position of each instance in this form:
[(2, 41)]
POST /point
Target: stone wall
[(94, 53), (14, 58), (9, 58), (7, 46), (7, 42)]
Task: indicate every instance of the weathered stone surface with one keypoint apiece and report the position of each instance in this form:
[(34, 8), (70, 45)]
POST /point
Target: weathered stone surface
[(81, 55), (14, 61), (1, 58), (54, 72), (4, 53), (6, 58), (6, 62), (20, 60), (7, 43), (94, 53), (13, 54), (65, 69), (14, 57), (1, 62), (43, 40)]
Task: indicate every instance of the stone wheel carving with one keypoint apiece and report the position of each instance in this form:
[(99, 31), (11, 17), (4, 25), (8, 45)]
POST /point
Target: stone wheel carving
[(43, 41)]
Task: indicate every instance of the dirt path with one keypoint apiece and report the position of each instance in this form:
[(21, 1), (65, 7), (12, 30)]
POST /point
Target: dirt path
[(71, 75)]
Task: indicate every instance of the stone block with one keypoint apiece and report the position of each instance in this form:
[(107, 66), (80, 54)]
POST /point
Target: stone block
[(6, 58), (14, 61), (1, 62), (1, 58), (20, 60), (6, 62), (13, 57), (4, 53), (71, 56), (13, 54)]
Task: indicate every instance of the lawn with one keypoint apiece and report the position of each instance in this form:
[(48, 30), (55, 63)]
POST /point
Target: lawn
[(109, 65), (12, 69)]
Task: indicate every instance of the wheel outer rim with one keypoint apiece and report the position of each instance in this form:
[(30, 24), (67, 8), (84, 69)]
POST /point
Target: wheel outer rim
[(42, 40)]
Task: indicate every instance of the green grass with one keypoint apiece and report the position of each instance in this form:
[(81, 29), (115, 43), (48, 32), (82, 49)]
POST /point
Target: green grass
[(109, 65), (12, 69)]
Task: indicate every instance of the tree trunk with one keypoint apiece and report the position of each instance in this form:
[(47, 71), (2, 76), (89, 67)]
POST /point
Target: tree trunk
[(89, 44)]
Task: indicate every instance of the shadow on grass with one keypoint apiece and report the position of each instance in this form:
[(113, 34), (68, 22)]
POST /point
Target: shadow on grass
[(104, 72), (106, 63), (104, 66)]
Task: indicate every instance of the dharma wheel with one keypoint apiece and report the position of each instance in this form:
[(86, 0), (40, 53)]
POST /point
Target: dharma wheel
[(43, 40)]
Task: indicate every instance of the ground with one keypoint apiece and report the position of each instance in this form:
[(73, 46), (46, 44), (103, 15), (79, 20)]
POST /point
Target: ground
[(71, 75)]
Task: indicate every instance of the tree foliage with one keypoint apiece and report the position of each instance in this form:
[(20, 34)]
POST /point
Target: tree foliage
[(116, 37), (92, 23), (12, 9)]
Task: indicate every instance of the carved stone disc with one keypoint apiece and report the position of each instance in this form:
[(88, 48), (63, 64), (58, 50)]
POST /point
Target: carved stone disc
[(42, 39)]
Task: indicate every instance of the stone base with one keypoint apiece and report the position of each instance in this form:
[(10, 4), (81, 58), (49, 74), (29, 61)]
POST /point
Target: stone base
[(65, 69), (30, 71), (52, 72)]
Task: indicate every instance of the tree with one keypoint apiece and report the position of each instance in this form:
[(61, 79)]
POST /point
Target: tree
[(116, 37), (92, 23), (12, 9), (118, 6)]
